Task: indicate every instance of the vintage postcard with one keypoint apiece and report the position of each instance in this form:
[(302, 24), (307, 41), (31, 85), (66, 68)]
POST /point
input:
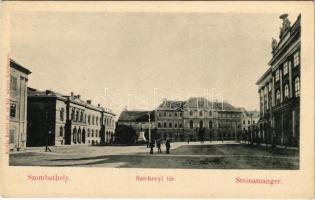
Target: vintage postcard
[(157, 99)]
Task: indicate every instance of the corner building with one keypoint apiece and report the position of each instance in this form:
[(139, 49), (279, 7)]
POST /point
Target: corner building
[(279, 88)]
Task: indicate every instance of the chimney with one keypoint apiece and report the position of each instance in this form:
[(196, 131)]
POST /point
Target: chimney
[(72, 94), (98, 105), (79, 96), (89, 102)]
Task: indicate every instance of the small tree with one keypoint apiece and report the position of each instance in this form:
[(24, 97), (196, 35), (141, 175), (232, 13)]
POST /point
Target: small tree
[(125, 135)]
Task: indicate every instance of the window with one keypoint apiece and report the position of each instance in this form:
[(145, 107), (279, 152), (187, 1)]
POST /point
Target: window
[(297, 87), (72, 114), (77, 116), (12, 134), (210, 124), (270, 86), (93, 120), (286, 91), (12, 110), (62, 112), (277, 75), (191, 112), (248, 122), (191, 124), (253, 121), (92, 133), (181, 114), (285, 68), (243, 121), (164, 124), (160, 114), (88, 133), (175, 114), (175, 125), (164, 114), (13, 83), (170, 124), (278, 97), (96, 120), (159, 124), (180, 125), (81, 116), (296, 59), (200, 113), (89, 119), (170, 114), (210, 113), (60, 131)]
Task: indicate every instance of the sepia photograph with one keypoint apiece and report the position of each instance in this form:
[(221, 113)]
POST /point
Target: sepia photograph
[(107, 89)]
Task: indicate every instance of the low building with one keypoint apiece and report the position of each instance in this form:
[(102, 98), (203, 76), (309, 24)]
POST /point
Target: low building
[(18, 106), (249, 119), (140, 121), (57, 119), (279, 88)]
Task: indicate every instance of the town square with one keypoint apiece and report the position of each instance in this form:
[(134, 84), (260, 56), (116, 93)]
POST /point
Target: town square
[(155, 90)]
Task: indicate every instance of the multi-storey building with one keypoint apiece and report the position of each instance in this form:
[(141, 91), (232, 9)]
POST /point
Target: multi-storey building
[(57, 119), (197, 117), (279, 88), (249, 119), (18, 106)]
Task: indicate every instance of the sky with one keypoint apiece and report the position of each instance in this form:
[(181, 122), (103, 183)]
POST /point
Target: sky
[(134, 60)]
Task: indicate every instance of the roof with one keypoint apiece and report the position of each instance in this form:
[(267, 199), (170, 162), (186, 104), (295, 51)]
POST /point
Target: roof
[(136, 116), (253, 113), (202, 102), (19, 67), (171, 105)]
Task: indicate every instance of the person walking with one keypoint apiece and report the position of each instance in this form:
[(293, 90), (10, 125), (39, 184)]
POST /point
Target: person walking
[(158, 144), (168, 146), (151, 147)]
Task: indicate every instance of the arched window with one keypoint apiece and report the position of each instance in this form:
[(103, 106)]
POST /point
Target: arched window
[(210, 124), (286, 91), (297, 87), (61, 131), (62, 112), (201, 124), (164, 124), (175, 125), (159, 124), (191, 124), (170, 125), (77, 116), (81, 116), (278, 96)]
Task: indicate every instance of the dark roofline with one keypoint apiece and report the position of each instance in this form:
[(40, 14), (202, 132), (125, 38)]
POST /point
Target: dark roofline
[(19, 67)]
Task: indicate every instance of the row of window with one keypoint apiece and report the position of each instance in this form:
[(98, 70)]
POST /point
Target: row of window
[(80, 117), (170, 114), (287, 92), (200, 113), (248, 122), (191, 125), (287, 65)]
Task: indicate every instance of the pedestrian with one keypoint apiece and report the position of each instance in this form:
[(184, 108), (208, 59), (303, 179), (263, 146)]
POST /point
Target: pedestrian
[(168, 146), (188, 141), (151, 147), (158, 144)]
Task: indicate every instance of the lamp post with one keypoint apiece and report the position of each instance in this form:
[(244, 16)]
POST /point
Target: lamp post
[(149, 127)]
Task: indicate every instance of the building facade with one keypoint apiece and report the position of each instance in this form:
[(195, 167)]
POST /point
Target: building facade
[(57, 119), (18, 106), (249, 119), (197, 119), (279, 88)]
